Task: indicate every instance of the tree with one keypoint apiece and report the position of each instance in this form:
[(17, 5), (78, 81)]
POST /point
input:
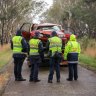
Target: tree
[(14, 12), (77, 14)]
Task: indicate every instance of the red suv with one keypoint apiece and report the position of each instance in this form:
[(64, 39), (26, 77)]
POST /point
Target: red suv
[(45, 30)]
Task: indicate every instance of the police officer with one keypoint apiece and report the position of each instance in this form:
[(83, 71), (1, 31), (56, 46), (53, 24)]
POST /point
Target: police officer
[(19, 47), (54, 45), (71, 54), (36, 48)]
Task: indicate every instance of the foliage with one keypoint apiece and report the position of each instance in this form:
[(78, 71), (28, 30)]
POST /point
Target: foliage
[(88, 61), (77, 14), (5, 55), (15, 12)]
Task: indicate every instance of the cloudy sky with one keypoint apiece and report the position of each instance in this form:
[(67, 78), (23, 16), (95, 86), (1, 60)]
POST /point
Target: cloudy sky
[(49, 2)]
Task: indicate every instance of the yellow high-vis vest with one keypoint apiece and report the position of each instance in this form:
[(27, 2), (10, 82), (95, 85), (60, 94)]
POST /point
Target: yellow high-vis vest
[(55, 45), (17, 46), (34, 46)]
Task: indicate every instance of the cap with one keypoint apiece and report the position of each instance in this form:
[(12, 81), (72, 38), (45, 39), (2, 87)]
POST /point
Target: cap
[(37, 34), (54, 33)]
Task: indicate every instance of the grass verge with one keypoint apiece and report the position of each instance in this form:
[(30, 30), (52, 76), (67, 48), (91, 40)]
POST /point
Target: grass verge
[(5, 56), (88, 62), (5, 66)]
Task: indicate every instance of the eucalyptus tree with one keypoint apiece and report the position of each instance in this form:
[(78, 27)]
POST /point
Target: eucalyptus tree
[(78, 14), (14, 12)]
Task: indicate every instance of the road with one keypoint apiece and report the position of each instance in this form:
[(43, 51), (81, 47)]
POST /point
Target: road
[(85, 86)]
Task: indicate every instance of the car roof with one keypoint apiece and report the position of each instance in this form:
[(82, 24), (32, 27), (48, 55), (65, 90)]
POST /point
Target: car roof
[(47, 24)]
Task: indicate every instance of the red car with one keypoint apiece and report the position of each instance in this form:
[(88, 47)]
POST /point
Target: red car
[(45, 33)]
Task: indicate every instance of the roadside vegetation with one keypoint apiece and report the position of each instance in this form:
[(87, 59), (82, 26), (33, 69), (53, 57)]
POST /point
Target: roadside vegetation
[(88, 54), (5, 58), (5, 55)]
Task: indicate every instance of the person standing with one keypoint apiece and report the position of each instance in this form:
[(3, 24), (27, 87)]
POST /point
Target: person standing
[(19, 47), (71, 54), (54, 45), (36, 47)]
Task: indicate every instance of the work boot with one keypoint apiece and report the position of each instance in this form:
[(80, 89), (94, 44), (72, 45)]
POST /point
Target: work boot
[(58, 80), (37, 80), (75, 79), (30, 80), (50, 81), (69, 79), (16, 79), (21, 79)]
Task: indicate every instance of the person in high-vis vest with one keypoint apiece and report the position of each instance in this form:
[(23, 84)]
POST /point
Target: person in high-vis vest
[(19, 47), (71, 54), (36, 48), (54, 45)]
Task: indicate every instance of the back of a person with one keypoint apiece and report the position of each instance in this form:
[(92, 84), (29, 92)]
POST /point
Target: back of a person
[(18, 45), (74, 49), (71, 54), (34, 44), (55, 45)]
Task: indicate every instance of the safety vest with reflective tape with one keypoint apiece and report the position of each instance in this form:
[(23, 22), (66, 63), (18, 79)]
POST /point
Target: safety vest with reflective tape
[(17, 46), (71, 47), (55, 45), (34, 46), (74, 47)]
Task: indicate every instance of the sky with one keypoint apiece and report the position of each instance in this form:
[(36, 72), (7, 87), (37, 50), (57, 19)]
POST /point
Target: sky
[(49, 2)]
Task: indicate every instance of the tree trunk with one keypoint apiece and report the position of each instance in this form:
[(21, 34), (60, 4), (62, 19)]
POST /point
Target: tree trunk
[(2, 31)]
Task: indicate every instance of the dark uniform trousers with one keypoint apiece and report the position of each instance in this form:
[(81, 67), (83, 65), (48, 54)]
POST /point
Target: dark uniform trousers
[(54, 63), (35, 61), (73, 71), (18, 62)]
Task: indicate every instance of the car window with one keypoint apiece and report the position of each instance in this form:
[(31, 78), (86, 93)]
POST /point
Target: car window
[(53, 28), (56, 28)]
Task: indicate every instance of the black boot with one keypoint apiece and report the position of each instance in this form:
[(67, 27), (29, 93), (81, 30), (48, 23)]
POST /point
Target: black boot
[(21, 79), (68, 79), (50, 81), (37, 80)]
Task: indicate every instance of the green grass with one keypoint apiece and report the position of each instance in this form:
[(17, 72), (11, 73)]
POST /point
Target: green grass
[(5, 57), (88, 61)]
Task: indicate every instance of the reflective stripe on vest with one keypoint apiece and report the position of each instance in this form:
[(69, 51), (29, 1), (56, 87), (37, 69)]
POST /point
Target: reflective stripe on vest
[(55, 44), (72, 61), (17, 46), (34, 46), (73, 49)]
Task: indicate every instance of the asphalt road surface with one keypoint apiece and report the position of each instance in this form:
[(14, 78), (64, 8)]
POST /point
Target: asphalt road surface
[(85, 86)]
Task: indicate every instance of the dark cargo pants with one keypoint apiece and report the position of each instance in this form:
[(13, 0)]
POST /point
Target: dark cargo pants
[(54, 64), (35, 61), (18, 62), (73, 71)]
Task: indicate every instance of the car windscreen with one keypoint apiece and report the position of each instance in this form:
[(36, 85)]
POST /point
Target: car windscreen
[(53, 28)]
